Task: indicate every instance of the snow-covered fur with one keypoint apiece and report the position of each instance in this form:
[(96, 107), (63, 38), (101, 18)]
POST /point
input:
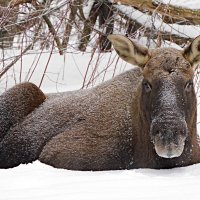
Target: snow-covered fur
[(104, 112), (113, 125), (17, 103)]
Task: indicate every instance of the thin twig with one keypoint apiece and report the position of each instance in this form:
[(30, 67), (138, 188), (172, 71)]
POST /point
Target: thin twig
[(14, 61)]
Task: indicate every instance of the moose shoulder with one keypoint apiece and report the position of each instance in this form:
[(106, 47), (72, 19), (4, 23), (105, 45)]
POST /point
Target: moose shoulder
[(143, 118)]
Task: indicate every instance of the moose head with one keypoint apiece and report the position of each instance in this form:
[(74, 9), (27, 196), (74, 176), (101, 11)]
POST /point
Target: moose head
[(167, 95)]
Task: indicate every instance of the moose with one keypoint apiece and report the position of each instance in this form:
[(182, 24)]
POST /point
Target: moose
[(143, 118)]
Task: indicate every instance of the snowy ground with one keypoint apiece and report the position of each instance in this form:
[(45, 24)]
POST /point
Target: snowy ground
[(38, 181)]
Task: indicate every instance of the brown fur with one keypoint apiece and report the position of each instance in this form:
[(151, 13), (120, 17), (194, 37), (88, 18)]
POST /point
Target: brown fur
[(162, 63), (108, 127), (139, 150), (17, 103)]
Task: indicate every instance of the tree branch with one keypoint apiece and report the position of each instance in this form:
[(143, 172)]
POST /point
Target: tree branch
[(149, 31), (51, 28), (15, 3), (164, 9)]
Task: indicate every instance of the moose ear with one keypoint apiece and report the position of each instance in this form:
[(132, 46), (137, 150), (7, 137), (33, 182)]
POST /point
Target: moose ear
[(192, 52), (130, 51)]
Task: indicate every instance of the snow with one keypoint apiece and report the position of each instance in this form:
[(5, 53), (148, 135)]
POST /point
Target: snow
[(87, 7), (192, 4), (64, 73), (39, 181)]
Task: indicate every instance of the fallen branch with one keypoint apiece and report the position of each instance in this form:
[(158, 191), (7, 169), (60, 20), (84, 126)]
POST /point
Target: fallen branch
[(169, 32), (164, 9), (155, 34)]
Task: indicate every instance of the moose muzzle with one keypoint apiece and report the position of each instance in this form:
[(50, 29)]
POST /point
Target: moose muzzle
[(169, 137)]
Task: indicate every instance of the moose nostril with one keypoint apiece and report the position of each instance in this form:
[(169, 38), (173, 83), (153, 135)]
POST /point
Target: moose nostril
[(157, 132)]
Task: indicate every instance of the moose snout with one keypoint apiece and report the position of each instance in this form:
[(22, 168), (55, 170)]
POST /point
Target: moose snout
[(169, 137)]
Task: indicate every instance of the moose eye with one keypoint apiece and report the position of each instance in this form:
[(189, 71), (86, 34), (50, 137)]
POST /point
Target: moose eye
[(147, 86), (189, 86)]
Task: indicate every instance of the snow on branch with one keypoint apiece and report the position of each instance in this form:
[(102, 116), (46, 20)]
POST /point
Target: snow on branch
[(175, 12), (180, 33)]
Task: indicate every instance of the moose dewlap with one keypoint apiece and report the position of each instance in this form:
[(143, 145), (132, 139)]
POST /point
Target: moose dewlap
[(145, 117)]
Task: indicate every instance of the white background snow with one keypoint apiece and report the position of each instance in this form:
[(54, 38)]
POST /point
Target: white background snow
[(39, 181)]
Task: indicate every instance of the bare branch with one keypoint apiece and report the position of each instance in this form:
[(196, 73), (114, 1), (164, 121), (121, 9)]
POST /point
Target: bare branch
[(4, 70), (15, 3), (51, 28)]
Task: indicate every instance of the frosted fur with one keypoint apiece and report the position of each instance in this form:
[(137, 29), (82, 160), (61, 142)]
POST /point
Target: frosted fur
[(62, 112), (123, 123), (21, 106), (168, 97)]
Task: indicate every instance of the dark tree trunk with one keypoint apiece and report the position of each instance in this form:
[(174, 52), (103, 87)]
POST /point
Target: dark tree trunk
[(106, 21), (89, 25), (73, 12), (8, 17)]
